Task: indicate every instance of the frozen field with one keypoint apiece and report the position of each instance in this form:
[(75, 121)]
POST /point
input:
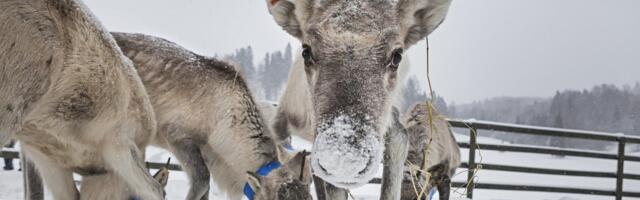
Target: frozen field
[(11, 181)]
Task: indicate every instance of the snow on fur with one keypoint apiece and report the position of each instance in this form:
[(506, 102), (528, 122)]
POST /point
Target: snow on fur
[(345, 149)]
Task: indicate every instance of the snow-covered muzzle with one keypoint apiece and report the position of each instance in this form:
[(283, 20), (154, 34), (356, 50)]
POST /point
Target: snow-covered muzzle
[(346, 151)]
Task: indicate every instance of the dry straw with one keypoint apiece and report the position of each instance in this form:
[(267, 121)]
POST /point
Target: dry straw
[(420, 188)]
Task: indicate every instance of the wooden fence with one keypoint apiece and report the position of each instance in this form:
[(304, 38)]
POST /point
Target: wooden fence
[(474, 125), (619, 175)]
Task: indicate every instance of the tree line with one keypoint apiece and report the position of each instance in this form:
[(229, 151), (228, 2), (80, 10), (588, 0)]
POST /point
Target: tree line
[(268, 78), (605, 108)]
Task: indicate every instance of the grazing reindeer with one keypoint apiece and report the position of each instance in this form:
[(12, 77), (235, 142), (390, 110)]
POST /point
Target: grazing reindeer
[(443, 152), (72, 99), (209, 120), (342, 93)]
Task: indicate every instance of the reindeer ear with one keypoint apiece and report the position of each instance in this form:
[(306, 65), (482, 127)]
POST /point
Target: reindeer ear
[(162, 176), (254, 180), (300, 167), (283, 155), (418, 18), (289, 15)]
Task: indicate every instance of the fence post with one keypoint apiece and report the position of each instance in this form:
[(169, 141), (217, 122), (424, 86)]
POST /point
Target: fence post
[(620, 171), (472, 160)]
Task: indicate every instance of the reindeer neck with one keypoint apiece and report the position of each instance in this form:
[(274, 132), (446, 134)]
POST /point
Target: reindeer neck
[(253, 146)]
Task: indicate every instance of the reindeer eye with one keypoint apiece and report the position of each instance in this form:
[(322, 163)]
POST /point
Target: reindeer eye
[(396, 57), (307, 55)]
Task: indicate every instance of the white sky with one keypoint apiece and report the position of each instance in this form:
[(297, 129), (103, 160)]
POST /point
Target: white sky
[(485, 48)]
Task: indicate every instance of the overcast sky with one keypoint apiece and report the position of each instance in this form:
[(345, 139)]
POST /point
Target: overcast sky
[(485, 48)]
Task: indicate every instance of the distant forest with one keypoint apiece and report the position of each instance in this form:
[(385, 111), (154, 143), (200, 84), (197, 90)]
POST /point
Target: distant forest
[(605, 107), (268, 78)]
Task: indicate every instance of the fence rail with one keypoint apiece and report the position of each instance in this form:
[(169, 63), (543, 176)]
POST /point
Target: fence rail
[(473, 145), (620, 157)]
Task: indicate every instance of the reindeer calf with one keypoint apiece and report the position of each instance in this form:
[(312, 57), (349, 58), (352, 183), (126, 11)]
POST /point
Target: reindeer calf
[(443, 153), (209, 120)]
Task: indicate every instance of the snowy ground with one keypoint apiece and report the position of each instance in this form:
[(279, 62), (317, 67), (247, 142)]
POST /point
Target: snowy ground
[(11, 181)]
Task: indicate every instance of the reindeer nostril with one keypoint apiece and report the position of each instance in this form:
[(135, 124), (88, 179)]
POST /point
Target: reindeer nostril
[(323, 169), (363, 171), (366, 168)]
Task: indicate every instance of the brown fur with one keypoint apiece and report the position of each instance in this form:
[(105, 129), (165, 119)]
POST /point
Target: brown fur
[(73, 100)]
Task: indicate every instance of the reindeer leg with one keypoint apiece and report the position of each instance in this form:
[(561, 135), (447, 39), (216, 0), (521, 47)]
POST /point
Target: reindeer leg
[(58, 180), (320, 189), (444, 188), (127, 163), (281, 127), (395, 155), (194, 165), (336, 193), (32, 182), (36, 135)]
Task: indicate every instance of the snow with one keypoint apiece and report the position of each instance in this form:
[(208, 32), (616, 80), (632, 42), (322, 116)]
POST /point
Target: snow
[(11, 181), (543, 161), (371, 191), (343, 154)]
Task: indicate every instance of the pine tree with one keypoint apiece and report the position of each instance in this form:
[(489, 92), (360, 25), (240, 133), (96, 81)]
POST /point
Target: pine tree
[(273, 73), (558, 141), (412, 93), (243, 58)]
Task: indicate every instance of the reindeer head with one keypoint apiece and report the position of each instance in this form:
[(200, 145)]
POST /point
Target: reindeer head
[(352, 51), (289, 182)]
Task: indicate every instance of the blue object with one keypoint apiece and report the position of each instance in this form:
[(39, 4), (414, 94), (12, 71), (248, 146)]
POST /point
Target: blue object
[(431, 193), (262, 171), (288, 146)]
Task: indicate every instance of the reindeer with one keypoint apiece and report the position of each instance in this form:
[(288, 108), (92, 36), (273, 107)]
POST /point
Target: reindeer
[(209, 120), (72, 99), (343, 91), (443, 153)]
